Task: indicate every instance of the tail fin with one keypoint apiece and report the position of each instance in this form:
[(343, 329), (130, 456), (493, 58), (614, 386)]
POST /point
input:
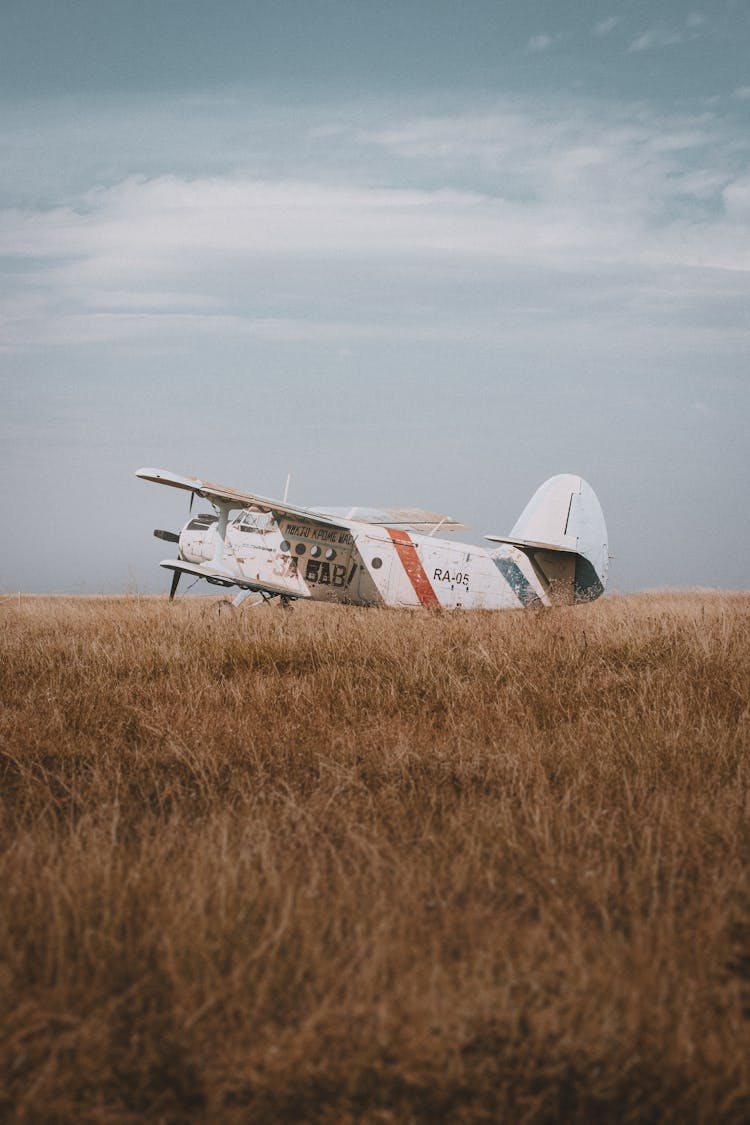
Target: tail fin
[(562, 532)]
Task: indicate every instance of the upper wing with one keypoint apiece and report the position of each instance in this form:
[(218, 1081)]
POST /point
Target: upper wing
[(416, 518), (223, 495)]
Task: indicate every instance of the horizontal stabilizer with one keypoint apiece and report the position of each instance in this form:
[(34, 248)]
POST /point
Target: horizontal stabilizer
[(169, 536), (527, 545)]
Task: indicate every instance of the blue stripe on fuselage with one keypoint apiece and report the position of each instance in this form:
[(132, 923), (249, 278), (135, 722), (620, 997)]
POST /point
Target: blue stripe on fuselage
[(517, 581)]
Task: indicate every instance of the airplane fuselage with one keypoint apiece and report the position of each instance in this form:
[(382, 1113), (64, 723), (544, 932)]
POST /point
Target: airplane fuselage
[(364, 564)]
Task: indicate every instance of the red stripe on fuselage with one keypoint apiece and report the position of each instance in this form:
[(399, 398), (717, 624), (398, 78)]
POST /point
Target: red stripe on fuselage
[(410, 561)]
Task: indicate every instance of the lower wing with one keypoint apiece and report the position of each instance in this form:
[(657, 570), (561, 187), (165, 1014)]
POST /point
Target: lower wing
[(221, 578)]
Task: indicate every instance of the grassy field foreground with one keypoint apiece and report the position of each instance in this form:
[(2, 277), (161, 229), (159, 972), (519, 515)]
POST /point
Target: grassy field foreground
[(338, 865)]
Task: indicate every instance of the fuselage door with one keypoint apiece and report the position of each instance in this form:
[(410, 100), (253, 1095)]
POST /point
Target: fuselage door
[(449, 568), (371, 562)]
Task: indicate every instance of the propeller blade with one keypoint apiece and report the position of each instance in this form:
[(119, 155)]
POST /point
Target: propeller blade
[(176, 575), (190, 506)]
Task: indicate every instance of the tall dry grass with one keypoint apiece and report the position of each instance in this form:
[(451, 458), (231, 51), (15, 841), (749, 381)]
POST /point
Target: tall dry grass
[(343, 865)]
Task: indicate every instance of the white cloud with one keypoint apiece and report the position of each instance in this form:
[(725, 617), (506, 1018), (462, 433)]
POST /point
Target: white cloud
[(742, 92), (670, 37), (701, 408), (539, 43), (657, 37), (605, 27), (599, 199), (737, 199)]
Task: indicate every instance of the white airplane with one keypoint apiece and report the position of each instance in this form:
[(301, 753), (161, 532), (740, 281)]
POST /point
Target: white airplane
[(556, 552)]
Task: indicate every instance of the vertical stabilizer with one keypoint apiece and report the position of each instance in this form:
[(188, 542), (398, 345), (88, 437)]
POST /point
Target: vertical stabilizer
[(565, 515)]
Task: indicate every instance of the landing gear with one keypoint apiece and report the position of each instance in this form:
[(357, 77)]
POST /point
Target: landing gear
[(262, 597)]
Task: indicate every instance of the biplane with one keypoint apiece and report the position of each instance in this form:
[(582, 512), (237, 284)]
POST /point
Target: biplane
[(556, 553)]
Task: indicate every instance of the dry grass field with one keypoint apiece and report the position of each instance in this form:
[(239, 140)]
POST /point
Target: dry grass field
[(340, 865)]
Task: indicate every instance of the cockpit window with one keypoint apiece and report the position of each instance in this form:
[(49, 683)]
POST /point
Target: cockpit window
[(202, 522), (258, 522)]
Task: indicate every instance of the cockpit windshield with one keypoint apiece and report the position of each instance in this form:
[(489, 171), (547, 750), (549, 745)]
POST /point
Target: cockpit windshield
[(257, 522)]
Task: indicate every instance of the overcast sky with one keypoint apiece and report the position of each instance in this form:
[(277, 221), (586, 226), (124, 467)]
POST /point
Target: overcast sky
[(415, 252)]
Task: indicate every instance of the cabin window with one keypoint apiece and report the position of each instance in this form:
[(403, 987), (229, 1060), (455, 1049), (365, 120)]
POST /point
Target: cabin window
[(257, 522), (330, 554), (377, 563), (300, 548), (285, 545), (315, 551)]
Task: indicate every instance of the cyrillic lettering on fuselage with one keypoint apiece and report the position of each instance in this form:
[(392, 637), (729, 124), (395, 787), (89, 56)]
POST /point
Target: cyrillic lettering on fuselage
[(319, 534)]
